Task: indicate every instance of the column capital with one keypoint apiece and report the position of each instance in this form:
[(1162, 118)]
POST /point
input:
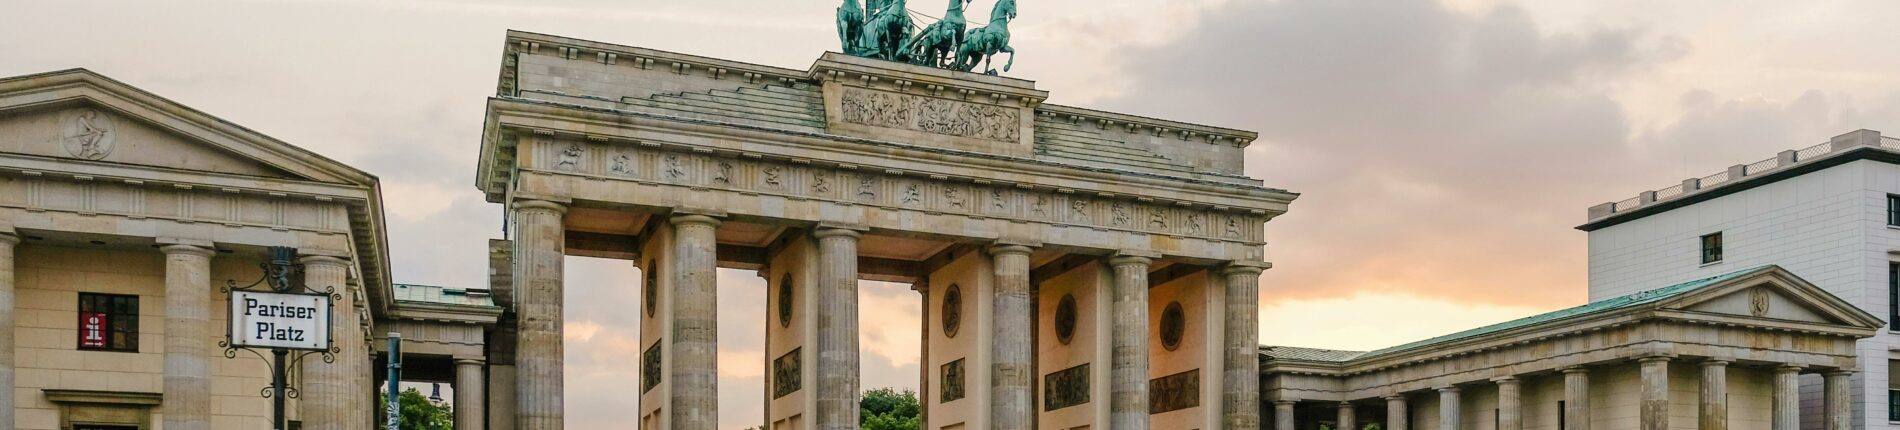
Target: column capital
[(1345, 403), (1839, 372), (1001, 248), (694, 219), (1655, 358), (1393, 397), (1713, 363), (1285, 402), (1448, 389), (1505, 380), (834, 231), (1130, 259), (322, 260), (471, 361), (188, 250), (9, 237), (533, 204), (1784, 368), (1244, 267), (1575, 369)]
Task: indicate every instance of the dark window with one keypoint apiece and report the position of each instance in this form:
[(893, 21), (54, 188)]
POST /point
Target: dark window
[(1893, 210), (1712, 248), (1562, 416), (1893, 294), (108, 322), (1893, 405)]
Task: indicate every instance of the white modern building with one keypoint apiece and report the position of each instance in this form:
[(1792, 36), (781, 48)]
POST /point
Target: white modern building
[(1829, 213)]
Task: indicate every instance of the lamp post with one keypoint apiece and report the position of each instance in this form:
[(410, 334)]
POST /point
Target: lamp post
[(289, 319)]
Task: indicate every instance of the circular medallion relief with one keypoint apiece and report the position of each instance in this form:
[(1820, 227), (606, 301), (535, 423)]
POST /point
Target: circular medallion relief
[(88, 134), (652, 289), (785, 301), (1065, 318), (952, 310), (1173, 323)]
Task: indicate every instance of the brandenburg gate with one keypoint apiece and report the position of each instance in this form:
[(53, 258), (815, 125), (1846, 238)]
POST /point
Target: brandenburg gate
[(1078, 268)]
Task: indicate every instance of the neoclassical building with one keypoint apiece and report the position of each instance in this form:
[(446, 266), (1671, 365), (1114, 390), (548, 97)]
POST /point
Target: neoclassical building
[(1078, 269)]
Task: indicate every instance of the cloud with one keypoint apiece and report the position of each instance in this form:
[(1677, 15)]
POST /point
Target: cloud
[(1439, 152)]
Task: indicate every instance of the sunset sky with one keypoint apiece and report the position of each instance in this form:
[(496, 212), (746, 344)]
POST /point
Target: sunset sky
[(1444, 150)]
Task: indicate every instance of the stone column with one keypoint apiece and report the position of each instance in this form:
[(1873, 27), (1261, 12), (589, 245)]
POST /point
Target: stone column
[(1654, 413), (1576, 398), (1840, 411), (1510, 403), (540, 248), (1241, 359), (1450, 409), (1011, 352), (187, 399), (1396, 415), (8, 241), (1348, 417), (1787, 403), (1713, 415), (331, 397), (837, 342), (694, 402), (1128, 375), (469, 414), (1283, 414)]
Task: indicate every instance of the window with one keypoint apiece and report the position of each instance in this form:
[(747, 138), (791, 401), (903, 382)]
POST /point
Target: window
[(1893, 210), (1893, 294), (1562, 416), (1893, 390), (1712, 248), (108, 322)]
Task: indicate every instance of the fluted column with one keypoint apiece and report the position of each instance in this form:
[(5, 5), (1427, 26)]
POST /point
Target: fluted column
[(1011, 353), (1450, 409), (469, 413), (1787, 403), (187, 398), (1577, 398), (1128, 386), (1396, 414), (1241, 354), (1283, 414), (837, 328), (8, 241), (1839, 413), (540, 248), (331, 397), (1654, 413), (1348, 416), (694, 402), (1510, 403), (1713, 414)]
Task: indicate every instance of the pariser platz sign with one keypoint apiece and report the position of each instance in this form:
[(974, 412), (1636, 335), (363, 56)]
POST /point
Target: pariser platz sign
[(280, 320)]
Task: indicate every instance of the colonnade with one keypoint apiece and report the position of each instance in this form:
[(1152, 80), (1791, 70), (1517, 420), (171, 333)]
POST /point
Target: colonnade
[(1654, 403), (691, 340)]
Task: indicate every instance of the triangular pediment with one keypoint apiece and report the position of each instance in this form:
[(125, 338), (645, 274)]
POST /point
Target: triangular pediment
[(81, 116), (1772, 293)]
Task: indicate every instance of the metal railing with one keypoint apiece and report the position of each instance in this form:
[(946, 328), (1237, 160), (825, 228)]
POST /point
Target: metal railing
[(1666, 193), (1629, 203), (1890, 142), (1760, 166), (1713, 180), (1813, 151)]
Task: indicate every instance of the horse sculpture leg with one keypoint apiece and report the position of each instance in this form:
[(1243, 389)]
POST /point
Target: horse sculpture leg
[(1012, 57)]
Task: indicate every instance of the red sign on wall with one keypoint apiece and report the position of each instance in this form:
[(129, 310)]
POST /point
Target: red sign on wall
[(92, 329)]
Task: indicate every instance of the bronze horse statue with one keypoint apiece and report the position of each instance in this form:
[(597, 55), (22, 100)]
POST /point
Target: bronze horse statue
[(886, 29), (985, 42), (937, 45), (850, 27)]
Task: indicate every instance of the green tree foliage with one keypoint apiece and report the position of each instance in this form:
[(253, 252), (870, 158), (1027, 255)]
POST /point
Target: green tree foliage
[(418, 413), (889, 409)]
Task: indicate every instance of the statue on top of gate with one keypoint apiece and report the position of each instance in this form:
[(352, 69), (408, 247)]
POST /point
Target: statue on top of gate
[(881, 29)]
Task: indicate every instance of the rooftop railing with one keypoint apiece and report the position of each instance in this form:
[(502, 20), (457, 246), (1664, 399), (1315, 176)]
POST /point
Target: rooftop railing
[(1741, 172)]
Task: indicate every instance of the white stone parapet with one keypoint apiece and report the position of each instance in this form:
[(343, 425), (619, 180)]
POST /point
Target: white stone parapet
[(1740, 172)]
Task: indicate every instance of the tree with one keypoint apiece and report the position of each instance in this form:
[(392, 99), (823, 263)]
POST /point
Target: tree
[(889, 409), (418, 412)]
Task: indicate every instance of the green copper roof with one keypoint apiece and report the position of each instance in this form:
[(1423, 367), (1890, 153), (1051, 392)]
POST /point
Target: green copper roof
[(1606, 305), (443, 295)]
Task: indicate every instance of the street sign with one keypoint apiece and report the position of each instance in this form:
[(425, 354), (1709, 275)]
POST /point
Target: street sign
[(280, 320)]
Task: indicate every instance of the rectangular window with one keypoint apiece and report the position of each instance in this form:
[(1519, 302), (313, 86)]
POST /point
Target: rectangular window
[(108, 322), (1712, 248), (1893, 294), (1561, 416), (1893, 210), (1893, 390)]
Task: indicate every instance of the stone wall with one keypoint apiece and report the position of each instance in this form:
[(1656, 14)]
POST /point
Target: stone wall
[(973, 280), (1089, 346)]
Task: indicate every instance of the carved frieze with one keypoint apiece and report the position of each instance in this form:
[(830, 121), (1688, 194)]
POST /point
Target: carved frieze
[(1174, 392), (896, 190), (931, 115), (1065, 388), (786, 374), (951, 387), (650, 367)]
